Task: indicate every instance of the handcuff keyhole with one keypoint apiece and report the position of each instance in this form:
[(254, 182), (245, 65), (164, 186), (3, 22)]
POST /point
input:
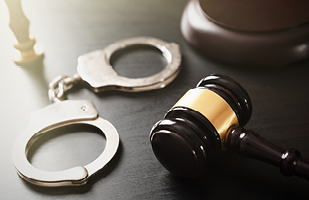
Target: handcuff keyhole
[(138, 61), (67, 147)]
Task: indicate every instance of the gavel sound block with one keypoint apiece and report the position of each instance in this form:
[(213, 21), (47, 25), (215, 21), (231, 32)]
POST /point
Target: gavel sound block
[(248, 32)]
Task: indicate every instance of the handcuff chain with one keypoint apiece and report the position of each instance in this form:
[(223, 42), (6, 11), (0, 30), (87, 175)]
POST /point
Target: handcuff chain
[(60, 85)]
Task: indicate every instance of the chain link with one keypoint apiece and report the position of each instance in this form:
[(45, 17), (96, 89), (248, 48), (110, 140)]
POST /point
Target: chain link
[(60, 85)]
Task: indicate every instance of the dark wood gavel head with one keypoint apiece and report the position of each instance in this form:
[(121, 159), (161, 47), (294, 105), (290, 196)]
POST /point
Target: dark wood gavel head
[(206, 120), (195, 129)]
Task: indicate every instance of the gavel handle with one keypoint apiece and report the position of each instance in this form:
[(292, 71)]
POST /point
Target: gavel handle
[(250, 145)]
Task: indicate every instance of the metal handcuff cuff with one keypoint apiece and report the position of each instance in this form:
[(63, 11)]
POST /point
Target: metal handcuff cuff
[(95, 69)]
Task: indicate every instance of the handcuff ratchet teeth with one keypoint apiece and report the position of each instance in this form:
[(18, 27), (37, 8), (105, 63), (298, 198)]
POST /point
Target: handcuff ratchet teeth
[(93, 68)]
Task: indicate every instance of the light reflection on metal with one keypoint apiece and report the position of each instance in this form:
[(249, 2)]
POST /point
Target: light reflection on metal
[(54, 116)]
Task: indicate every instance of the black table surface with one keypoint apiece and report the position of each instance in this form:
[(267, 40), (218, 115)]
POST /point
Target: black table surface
[(69, 28)]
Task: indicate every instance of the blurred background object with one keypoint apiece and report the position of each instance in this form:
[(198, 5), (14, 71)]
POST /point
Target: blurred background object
[(27, 49), (249, 32)]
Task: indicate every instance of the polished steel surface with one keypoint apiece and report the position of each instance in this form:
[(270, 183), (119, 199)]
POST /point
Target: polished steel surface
[(60, 85), (96, 70), (57, 115)]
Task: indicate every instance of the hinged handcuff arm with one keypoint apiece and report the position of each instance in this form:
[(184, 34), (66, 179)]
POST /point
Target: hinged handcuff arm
[(58, 115), (95, 69)]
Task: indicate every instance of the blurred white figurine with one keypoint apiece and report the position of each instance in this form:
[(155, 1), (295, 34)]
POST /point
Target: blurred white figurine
[(28, 50)]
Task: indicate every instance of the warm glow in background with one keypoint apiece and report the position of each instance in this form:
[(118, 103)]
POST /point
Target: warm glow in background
[(5, 30)]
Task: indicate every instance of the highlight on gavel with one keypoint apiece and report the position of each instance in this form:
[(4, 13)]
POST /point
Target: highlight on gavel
[(209, 119)]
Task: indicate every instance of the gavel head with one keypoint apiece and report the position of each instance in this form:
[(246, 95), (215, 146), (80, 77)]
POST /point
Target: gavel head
[(194, 130)]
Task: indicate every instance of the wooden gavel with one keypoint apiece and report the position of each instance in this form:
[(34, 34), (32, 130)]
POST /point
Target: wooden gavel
[(209, 119)]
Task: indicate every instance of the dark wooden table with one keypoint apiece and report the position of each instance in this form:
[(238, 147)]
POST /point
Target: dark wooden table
[(69, 28)]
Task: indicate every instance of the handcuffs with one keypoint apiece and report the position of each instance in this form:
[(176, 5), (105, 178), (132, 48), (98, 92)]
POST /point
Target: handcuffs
[(93, 68)]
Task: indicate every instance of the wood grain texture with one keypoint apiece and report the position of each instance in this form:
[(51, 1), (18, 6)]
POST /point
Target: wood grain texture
[(67, 29)]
